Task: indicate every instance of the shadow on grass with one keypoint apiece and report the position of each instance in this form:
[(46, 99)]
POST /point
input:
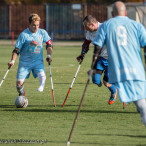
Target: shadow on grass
[(75, 143), (58, 109), (74, 83), (96, 143), (7, 106), (38, 106), (135, 136)]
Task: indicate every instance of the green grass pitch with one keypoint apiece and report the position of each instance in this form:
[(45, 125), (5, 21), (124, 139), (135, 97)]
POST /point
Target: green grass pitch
[(98, 124)]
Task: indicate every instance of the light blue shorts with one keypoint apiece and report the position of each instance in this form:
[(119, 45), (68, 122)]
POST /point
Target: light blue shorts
[(130, 91), (23, 72)]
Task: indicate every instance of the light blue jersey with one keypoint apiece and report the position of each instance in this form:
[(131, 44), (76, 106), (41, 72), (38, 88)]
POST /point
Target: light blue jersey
[(31, 46), (125, 37), (31, 52)]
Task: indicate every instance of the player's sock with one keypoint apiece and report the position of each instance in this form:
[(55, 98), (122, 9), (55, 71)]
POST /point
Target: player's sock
[(141, 106), (113, 94), (20, 90), (42, 79), (112, 89)]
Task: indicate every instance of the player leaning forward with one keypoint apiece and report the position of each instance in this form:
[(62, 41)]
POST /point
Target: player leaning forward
[(30, 47), (123, 38), (91, 25)]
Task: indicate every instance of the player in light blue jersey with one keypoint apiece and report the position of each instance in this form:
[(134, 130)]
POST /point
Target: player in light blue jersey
[(91, 25), (124, 38), (30, 47)]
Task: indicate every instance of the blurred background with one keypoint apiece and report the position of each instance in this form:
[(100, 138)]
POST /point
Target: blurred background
[(62, 18)]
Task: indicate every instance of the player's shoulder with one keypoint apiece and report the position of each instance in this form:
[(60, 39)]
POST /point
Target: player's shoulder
[(108, 22), (24, 33), (105, 23), (137, 25), (42, 31)]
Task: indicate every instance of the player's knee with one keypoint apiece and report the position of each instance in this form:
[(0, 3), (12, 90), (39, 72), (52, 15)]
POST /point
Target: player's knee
[(20, 87), (19, 83), (106, 84), (96, 81)]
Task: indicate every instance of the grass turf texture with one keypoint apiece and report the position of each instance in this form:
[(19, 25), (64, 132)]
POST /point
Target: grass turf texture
[(98, 123)]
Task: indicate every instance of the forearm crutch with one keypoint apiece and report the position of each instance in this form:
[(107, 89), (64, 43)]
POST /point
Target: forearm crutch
[(81, 102), (72, 83), (5, 75), (52, 84), (95, 57)]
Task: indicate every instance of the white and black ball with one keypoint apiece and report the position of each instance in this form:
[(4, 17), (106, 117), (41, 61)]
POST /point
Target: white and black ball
[(21, 102)]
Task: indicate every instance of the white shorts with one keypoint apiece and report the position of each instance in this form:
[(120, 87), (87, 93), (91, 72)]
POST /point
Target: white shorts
[(130, 91)]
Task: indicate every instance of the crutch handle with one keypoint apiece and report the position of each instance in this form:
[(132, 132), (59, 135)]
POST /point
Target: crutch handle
[(9, 66)]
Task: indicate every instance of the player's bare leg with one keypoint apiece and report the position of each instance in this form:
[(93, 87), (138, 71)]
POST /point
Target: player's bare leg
[(141, 106), (20, 88)]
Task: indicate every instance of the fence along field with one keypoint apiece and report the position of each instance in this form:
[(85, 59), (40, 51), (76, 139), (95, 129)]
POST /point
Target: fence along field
[(64, 20)]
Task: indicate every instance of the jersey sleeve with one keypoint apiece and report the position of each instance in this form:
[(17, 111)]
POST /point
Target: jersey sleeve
[(46, 37), (20, 41), (100, 36)]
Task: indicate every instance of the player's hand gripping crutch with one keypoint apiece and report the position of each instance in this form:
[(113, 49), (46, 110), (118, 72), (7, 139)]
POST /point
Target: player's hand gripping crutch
[(5, 75), (52, 84), (72, 83)]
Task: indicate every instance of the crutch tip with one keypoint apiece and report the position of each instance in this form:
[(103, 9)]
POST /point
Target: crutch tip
[(123, 105), (68, 143)]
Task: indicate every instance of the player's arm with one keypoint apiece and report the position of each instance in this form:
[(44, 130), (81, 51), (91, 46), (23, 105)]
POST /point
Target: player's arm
[(15, 53), (145, 56), (85, 49), (49, 48), (96, 53)]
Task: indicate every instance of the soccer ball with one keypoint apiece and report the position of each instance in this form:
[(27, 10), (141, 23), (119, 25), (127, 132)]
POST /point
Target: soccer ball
[(21, 102)]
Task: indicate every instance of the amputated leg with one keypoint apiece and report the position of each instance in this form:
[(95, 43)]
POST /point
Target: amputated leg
[(42, 79)]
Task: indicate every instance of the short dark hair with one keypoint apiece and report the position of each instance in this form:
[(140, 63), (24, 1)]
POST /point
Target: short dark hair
[(89, 19)]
